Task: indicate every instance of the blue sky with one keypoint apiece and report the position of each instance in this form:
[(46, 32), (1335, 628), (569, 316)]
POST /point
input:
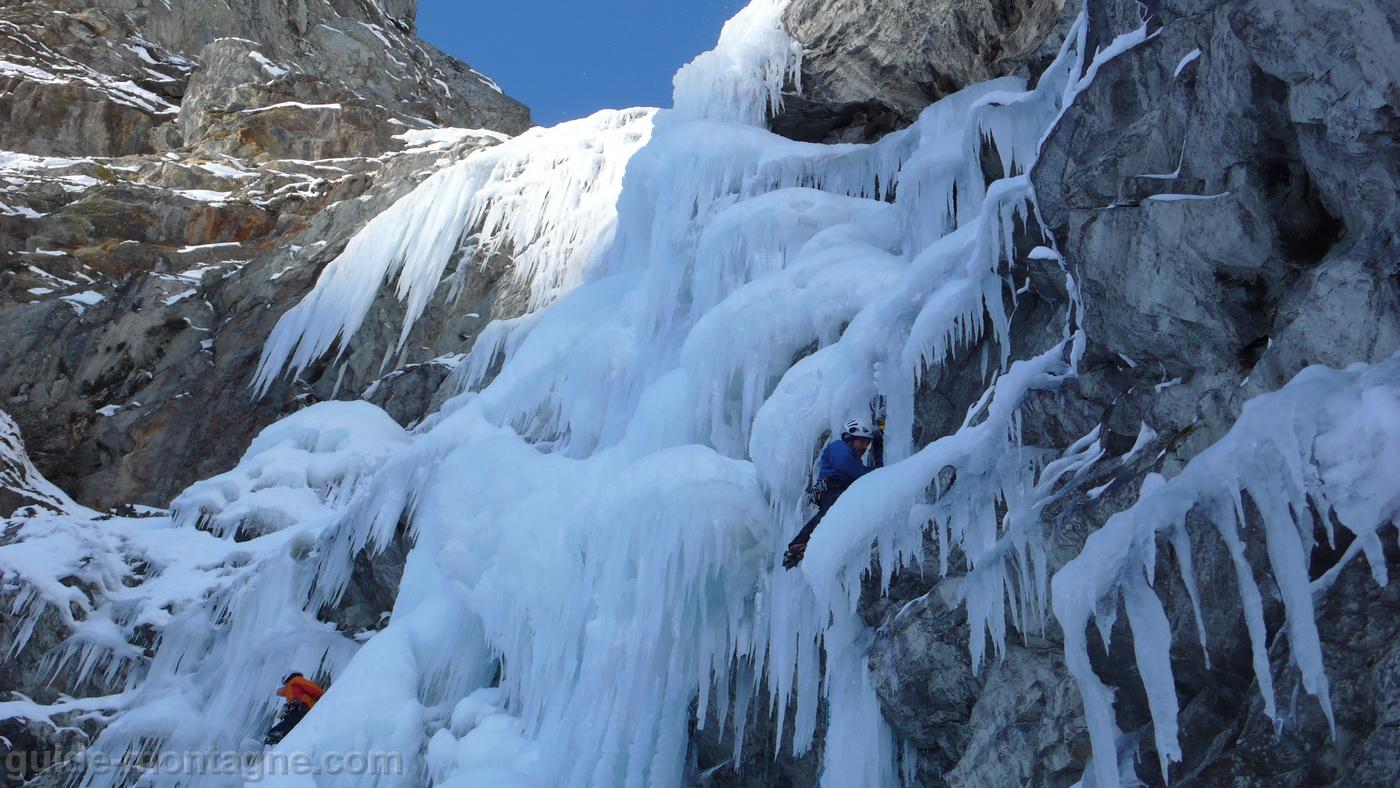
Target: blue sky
[(569, 58)]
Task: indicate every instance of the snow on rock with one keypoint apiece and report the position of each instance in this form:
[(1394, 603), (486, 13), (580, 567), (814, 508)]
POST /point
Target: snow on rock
[(12, 163), (225, 171), (80, 301), (204, 195), (29, 72), (201, 247), (291, 105), (20, 482), (22, 211), (272, 69), (1185, 61), (57, 69), (444, 138), (298, 470)]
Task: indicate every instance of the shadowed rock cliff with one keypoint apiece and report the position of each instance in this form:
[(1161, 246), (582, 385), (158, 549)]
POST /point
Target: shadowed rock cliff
[(175, 177)]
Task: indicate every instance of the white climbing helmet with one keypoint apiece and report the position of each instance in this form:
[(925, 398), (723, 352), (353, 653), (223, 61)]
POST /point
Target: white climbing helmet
[(857, 428)]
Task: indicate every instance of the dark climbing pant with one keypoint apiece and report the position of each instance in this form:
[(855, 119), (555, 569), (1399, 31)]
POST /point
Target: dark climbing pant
[(797, 548), (291, 715), (824, 502)]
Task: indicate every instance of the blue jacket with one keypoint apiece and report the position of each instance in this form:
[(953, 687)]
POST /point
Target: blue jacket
[(840, 466)]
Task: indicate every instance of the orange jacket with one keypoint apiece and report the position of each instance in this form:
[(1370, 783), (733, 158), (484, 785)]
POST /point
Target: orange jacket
[(302, 690)]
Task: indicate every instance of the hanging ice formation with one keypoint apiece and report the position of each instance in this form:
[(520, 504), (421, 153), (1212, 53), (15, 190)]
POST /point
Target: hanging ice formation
[(595, 525), (1328, 442), (638, 459), (548, 197)]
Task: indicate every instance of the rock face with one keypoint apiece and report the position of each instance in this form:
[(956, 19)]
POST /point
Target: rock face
[(1264, 243), (1224, 194), (111, 78), (175, 176), (22, 487), (870, 66)]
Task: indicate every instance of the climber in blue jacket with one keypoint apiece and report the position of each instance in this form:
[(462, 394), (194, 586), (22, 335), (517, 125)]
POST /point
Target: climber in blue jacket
[(840, 466)]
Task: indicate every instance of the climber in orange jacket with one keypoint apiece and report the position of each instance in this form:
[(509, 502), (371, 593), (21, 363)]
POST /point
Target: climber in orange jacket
[(301, 694)]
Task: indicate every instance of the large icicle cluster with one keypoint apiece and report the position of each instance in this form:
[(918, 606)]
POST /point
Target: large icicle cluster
[(596, 515), (548, 198), (193, 629), (234, 613), (1321, 450), (632, 468)]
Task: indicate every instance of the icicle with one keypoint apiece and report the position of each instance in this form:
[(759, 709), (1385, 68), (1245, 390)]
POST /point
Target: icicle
[(547, 197), (741, 80), (1284, 448)]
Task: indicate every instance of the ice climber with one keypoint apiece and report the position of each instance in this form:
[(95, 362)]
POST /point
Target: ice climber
[(301, 694), (840, 466)]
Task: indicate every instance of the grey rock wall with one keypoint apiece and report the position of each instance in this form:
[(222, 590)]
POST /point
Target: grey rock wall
[(873, 65), (175, 177), (109, 78)]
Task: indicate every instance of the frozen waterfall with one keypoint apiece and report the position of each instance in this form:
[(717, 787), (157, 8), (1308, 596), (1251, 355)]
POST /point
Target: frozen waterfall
[(597, 516)]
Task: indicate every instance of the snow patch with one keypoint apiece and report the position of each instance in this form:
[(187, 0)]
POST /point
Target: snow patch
[(1185, 197), (292, 105), (442, 139), (225, 171), (205, 195), (202, 247), (80, 301), (29, 72), (272, 69), (1186, 61)]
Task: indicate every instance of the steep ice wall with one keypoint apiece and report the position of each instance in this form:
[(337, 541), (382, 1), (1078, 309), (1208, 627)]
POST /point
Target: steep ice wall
[(634, 452)]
